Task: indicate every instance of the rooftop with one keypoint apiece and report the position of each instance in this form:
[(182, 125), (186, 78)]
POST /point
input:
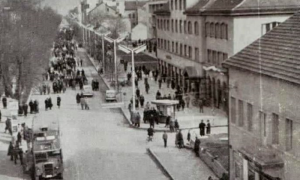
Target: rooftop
[(276, 54), (133, 5), (242, 7)]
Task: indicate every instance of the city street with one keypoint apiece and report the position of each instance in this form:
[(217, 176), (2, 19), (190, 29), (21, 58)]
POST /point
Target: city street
[(96, 143)]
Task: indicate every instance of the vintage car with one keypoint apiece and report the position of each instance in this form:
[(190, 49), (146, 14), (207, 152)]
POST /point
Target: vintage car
[(88, 91), (110, 95)]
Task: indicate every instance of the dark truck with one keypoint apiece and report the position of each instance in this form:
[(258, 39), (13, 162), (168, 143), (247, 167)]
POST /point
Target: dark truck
[(45, 159)]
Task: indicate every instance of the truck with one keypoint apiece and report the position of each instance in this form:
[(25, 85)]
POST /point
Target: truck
[(44, 160)]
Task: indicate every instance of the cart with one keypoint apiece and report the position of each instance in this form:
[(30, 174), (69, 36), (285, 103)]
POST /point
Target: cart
[(165, 108)]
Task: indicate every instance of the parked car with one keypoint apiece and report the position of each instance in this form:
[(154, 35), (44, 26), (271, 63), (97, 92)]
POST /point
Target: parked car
[(110, 95), (88, 91)]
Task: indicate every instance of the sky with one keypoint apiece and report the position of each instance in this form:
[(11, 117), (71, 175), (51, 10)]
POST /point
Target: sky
[(63, 6)]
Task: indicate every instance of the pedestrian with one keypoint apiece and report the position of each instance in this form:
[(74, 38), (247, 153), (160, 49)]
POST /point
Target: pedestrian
[(201, 106), (86, 106), (16, 153), (147, 87), (20, 153), (77, 98), (136, 103), (202, 128), (182, 104), (31, 106), (187, 100), (8, 126), (172, 125), (159, 83), (147, 107), (36, 106), (25, 109), (82, 102), (81, 62), (176, 125), (165, 138), (46, 104), (138, 119), (58, 100), (151, 120), (142, 100), (197, 146), (158, 94), (4, 102), (19, 139), (137, 92), (208, 127), (179, 139), (189, 136), (168, 121), (173, 84), (48, 89), (10, 151)]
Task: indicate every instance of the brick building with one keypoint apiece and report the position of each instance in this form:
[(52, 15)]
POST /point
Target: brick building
[(264, 128)]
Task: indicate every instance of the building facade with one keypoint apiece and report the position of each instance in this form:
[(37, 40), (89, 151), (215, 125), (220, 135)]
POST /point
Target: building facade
[(264, 113)]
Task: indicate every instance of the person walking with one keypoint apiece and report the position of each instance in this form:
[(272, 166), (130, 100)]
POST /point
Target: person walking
[(8, 126), (189, 136), (201, 106), (25, 109), (19, 139), (4, 102), (36, 106), (168, 121), (159, 83), (77, 98), (197, 146), (138, 119), (81, 62), (176, 125), (187, 100), (137, 92), (86, 106), (202, 128), (82, 102), (208, 127), (172, 125), (10, 151), (165, 138), (58, 100), (142, 100), (179, 138), (147, 87)]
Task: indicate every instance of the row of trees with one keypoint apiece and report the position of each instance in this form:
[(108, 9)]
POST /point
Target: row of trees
[(27, 32)]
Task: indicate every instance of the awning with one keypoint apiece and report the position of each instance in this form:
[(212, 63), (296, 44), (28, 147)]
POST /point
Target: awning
[(192, 72), (262, 156)]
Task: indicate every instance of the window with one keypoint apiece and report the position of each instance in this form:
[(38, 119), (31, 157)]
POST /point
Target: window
[(218, 32), (288, 134), (176, 3), (129, 15), (184, 27), (190, 31), (196, 54), (181, 50), (262, 124), (184, 4), (220, 58), (249, 116), (176, 48), (275, 129), (180, 4), (172, 46), (207, 28), (172, 4), (196, 28), (233, 110), (180, 26), (241, 113), (158, 43), (133, 16), (190, 52), (157, 22), (214, 57), (225, 56), (209, 55), (176, 26), (185, 50), (168, 25), (169, 46), (224, 33), (172, 24), (212, 30), (165, 44)]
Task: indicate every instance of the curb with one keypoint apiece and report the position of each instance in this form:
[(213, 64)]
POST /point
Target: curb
[(157, 161)]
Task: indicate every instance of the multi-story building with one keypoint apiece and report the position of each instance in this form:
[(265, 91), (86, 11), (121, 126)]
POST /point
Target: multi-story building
[(131, 11), (264, 112), (194, 38), (176, 44)]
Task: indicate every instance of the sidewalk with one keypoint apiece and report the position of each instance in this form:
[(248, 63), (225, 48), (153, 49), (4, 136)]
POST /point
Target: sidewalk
[(189, 118)]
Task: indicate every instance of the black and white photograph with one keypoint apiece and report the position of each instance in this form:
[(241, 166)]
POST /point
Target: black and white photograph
[(149, 89)]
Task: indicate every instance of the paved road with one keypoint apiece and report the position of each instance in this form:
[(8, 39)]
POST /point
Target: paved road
[(97, 143)]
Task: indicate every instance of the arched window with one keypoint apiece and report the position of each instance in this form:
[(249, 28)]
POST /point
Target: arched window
[(196, 28), (180, 26), (217, 31), (207, 29), (172, 25), (190, 31), (176, 26), (212, 30)]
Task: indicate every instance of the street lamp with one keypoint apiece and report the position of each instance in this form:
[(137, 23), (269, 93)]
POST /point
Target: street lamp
[(133, 51), (115, 41), (102, 41)]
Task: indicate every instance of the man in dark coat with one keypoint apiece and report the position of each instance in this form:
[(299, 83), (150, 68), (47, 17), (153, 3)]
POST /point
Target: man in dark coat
[(31, 106), (159, 83), (142, 100), (158, 95), (147, 87), (36, 106), (202, 128), (197, 146), (8, 126), (58, 102), (208, 127), (137, 92), (78, 99), (25, 109), (4, 102), (50, 103)]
